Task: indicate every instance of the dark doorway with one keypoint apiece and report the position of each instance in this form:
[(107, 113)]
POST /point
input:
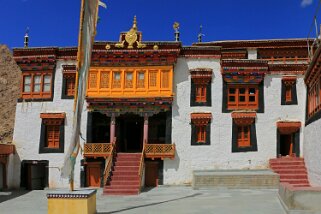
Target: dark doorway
[(100, 128), (129, 132), (157, 128), (286, 144), (34, 174)]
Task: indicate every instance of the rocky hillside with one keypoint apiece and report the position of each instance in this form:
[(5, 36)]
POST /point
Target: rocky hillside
[(9, 91)]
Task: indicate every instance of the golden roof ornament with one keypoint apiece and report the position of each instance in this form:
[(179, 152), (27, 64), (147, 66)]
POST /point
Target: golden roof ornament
[(176, 33), (131, 37)]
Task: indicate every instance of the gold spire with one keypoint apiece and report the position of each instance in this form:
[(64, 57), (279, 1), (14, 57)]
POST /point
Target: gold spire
[(132, 38), (134, 24)]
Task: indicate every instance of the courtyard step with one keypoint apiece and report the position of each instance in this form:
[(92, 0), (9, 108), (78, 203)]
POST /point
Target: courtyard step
[(125, 179), (292, 170)]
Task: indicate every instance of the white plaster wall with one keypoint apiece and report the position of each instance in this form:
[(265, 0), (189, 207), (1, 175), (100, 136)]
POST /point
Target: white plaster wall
[(312, 151), (252, 53), (219, 154), (27, 134)]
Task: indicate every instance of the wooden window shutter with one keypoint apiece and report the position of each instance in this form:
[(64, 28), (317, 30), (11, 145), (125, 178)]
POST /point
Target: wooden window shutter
[(288, 93), (243, 136), (70, 86), (53, 135)]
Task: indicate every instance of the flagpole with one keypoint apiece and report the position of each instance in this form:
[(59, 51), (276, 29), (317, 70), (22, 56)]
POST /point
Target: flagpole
[(79, 56)]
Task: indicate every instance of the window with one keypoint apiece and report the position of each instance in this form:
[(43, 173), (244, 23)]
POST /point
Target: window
[(242, 97), (68, 88), (200, 93), (201, 128), (36, 85), (141, 79), (52, 136), (243, 132), (288, 93), (201, 87), (69, 81), (314, 97), (289, 96), (129, 80), (201, 134), (117, 80), (243, 136), (52, 133)]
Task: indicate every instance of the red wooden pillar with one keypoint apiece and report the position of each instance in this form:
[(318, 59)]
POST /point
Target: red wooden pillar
[(112, 127), (145, 138)]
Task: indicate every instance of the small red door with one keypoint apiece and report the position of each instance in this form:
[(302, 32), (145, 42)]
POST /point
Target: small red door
[(151, 174), (93, 175)]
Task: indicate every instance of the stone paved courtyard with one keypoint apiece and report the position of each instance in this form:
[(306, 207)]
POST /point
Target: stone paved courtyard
[(159, 200)]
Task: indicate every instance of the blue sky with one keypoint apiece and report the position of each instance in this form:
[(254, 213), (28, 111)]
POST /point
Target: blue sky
[(56, 22)]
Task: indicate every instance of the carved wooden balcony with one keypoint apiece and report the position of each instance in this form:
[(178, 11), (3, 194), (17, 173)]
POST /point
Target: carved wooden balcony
[(161, 151), (133, 82), (95, 150)]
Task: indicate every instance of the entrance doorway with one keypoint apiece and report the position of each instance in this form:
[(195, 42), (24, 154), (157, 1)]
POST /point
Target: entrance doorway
[(286, 144), (129, 133), (34, 174), (93, 174), (151, 174)]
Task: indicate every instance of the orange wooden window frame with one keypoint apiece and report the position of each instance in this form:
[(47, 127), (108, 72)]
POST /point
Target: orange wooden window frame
[(201, 133), (242, 91), (288, 93), (314, 96), (200, 93), (32, 94), (52, 136), (70, 81), (243, 136)]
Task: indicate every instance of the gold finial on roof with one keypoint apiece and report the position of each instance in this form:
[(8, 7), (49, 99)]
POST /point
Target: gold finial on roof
[(132, 37), (134, 23), (176, 26)]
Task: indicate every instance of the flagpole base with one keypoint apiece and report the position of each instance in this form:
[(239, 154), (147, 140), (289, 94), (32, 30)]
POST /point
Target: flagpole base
[(78, 201), (71, 185)]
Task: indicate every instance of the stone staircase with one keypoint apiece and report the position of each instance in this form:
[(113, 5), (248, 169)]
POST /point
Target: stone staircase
[(292, 170), (125, 179)]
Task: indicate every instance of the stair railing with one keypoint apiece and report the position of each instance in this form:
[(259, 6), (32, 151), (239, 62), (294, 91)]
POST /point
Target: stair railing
[(109, 163), (141, 165)]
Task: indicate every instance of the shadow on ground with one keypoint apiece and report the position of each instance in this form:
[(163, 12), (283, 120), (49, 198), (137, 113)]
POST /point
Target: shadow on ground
[(8, 195), (151, 204)]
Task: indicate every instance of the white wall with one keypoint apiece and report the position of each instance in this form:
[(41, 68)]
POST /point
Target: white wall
[(312, 151), (27, 134), (218, 155), (252, 53)]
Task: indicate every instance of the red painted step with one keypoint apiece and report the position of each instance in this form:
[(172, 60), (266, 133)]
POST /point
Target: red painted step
[(125, 179), (293, 176), (117, 173), (127, 163), (124, 182), (292, 170), (127, 168)]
